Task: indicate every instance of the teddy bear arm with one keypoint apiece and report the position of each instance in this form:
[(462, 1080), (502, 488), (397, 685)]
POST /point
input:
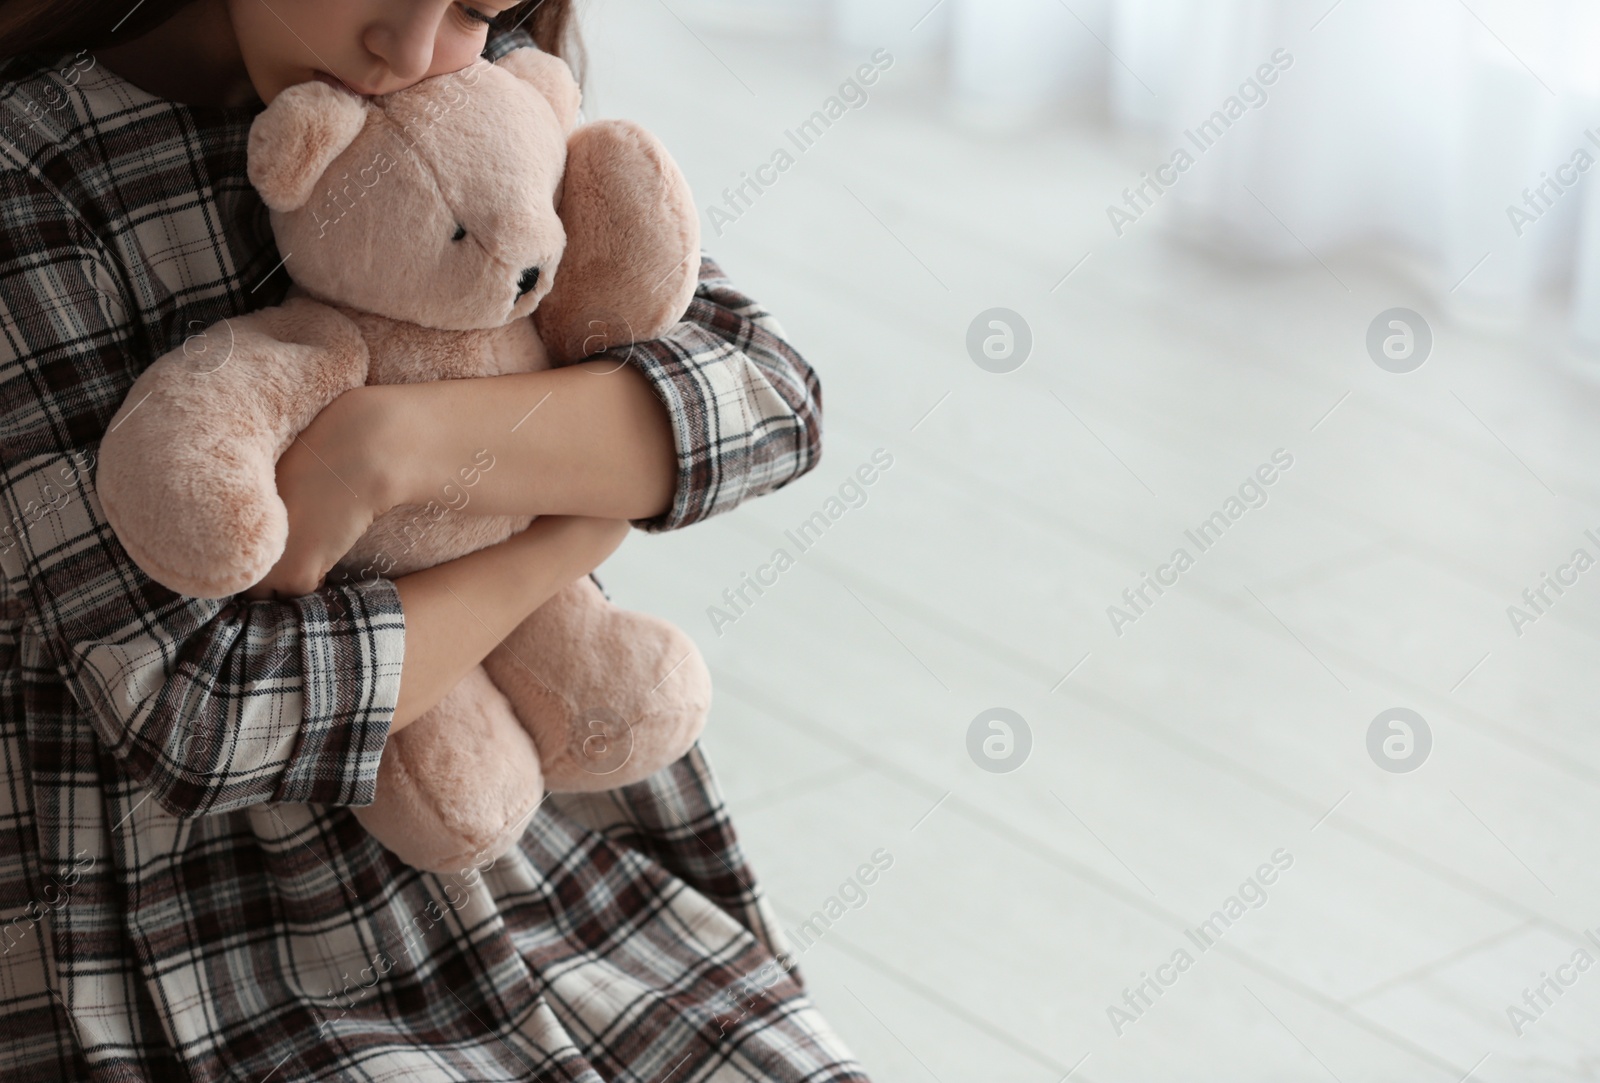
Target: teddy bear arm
[(633, 244), (186, 472)]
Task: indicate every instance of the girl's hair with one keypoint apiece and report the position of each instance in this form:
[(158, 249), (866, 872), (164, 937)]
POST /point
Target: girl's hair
[(55, 26)]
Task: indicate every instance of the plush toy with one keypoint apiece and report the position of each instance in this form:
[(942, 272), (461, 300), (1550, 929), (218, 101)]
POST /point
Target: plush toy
[(465, 226)]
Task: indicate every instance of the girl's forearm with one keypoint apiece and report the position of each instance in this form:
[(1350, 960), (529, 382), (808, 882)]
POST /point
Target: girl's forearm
[(591, 439), (458, 611)]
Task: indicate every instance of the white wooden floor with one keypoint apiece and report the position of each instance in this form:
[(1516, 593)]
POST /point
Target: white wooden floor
[(1229, 723)]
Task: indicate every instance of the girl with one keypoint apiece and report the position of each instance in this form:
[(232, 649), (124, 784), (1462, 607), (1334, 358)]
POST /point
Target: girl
[(184, 891)]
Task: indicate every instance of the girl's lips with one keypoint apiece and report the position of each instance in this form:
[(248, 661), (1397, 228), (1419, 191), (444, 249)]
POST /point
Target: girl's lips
[(324, 77)]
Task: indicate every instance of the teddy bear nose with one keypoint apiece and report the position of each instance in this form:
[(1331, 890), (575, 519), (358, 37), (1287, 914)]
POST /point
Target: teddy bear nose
[(529, 279)]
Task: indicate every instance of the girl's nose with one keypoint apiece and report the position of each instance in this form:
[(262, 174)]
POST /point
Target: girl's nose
[(403, 39)]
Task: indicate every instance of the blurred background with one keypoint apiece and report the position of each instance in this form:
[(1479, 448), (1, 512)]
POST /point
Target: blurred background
[(1080, 276)]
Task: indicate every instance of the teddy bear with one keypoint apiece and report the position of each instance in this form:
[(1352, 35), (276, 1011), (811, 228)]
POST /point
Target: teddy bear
[(466, 226)]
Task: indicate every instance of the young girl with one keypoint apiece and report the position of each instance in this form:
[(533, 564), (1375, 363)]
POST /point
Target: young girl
[(181, 907)]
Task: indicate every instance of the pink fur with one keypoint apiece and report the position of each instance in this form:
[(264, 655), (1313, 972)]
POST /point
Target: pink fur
[(366, 197)]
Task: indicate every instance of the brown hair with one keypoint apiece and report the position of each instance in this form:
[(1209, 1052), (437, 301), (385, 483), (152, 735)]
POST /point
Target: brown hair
[(56, 26)]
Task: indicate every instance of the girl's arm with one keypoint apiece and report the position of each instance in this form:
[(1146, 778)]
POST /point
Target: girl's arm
[(590, 439), (720, 409), (665, 433), (458, 611)]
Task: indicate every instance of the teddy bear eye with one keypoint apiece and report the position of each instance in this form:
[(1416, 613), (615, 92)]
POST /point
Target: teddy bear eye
[(461, 231)]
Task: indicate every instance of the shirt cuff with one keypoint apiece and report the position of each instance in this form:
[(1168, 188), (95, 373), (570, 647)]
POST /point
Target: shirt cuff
[(700, 380), (744, 405), (352, 642)]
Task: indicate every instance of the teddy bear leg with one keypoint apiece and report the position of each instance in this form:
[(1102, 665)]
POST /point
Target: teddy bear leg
[(609, 696), (457, 787), (187, 475)]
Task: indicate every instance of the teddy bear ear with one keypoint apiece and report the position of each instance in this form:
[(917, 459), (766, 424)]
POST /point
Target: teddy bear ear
[(550, 76), (296, 138)]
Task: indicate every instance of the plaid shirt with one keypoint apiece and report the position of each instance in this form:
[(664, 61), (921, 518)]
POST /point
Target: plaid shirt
[(173, 910)]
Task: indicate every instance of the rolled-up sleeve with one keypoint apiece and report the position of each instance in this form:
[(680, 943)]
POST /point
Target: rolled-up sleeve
[(746, 408), (210, 705)]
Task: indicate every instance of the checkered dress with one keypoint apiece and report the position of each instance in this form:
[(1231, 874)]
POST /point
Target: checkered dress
[(172, 911)]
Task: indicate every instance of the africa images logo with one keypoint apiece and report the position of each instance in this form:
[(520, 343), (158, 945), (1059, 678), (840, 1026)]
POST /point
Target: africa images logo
[(1252, 493), (1252, 94)]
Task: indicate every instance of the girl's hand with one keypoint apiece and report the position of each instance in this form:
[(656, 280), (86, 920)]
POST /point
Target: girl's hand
[(331, 479)]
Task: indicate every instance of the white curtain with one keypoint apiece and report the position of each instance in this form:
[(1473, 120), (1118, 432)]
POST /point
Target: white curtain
[(1418, 123)]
